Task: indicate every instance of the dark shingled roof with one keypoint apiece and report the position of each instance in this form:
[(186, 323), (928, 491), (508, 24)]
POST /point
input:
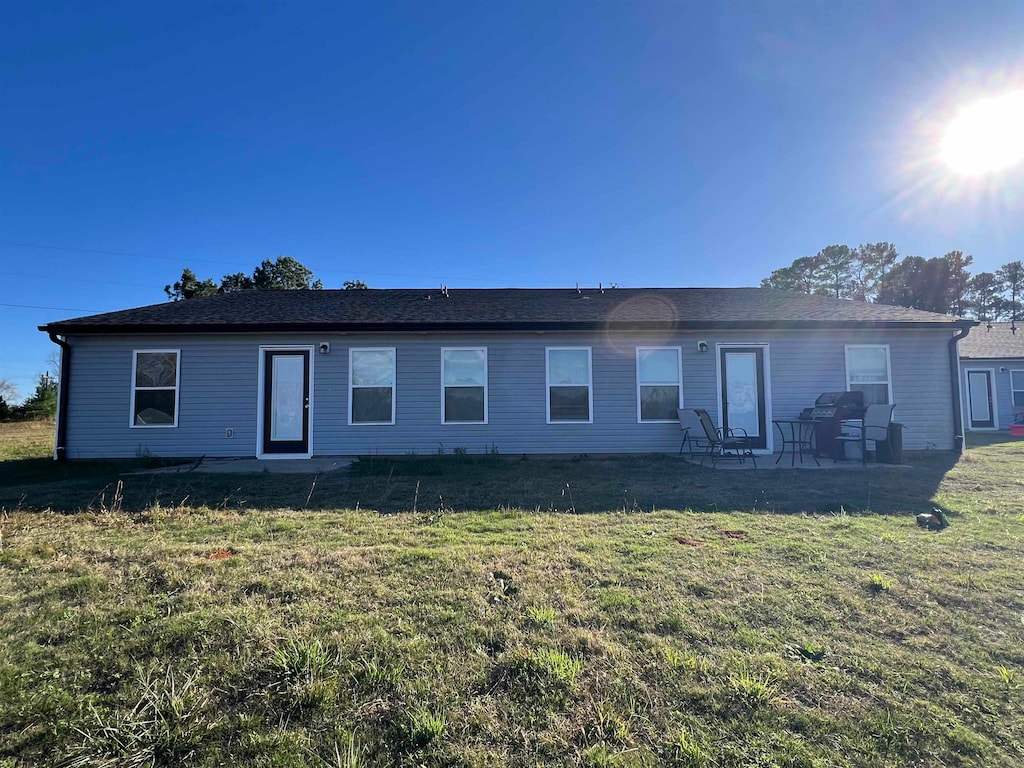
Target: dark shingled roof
[(997, 342), (499, 309)]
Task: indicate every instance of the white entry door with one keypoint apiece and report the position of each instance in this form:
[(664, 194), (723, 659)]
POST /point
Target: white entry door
[(979, 398)]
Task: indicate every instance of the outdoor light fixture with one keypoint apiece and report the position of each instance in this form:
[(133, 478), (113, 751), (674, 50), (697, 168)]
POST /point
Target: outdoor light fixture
[(325, 347), (702, 346)]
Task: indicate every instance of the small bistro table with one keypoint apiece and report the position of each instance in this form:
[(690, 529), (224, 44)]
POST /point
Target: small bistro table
[(800, 436)]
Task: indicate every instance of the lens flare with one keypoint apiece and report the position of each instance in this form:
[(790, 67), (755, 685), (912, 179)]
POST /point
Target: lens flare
[(987, 136)]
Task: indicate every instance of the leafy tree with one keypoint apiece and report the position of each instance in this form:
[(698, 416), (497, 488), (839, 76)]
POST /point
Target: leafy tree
[(354, 285), (958, 280), (1011, 277), (918, 283), (833, 269), (869, 263), (985, 297), (283, 274), (8, 393), (42, 404), (189, 287), (799, 276), (239, 281)]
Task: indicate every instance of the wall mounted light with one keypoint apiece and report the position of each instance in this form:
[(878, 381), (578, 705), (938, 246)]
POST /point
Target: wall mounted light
[(325, 347), (702, 346)]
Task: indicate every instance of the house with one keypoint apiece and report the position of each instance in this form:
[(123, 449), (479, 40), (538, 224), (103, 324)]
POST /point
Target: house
[(992, 376), (281, 374)]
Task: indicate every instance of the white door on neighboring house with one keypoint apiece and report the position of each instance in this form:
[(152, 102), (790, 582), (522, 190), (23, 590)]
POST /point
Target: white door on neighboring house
[(980, 404)]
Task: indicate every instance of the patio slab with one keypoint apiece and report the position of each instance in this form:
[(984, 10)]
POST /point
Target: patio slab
[(314, 466), (768, 462)]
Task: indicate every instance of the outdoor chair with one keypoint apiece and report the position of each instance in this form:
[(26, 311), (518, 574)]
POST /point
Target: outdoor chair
[(874, 426), (700, 433)]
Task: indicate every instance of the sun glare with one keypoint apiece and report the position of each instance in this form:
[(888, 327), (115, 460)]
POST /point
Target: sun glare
[(987, 136)]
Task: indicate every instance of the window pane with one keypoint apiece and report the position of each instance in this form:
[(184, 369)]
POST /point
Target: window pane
[(371, 404), (154, 406), (867, 364), (155, 369), (1017, 380), (659, 403), (464, 367), (373, 368), (873, 393), (570, 403), (660, 365), (464, 404), (568, 366)]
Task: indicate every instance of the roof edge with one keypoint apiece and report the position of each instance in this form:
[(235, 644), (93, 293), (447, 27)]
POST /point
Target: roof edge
[(150, 329)]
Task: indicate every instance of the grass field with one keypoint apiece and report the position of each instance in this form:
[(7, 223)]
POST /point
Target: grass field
[(491, 611)]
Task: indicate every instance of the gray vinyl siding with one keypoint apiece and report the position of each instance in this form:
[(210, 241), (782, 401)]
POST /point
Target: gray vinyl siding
[(219, 382), (1004, 409)]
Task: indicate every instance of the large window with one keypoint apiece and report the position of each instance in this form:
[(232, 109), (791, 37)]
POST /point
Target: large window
[(658, 383), (464, 383), (371, 386), (868, 370), (1017, 388), (570, 394), (155, 388)]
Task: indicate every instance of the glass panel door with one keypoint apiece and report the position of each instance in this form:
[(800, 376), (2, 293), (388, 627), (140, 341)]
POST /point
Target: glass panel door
[(285, 401), (743, 393), (979, 391)]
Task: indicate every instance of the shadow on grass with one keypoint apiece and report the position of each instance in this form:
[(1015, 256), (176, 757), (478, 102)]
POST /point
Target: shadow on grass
[(453, 484)]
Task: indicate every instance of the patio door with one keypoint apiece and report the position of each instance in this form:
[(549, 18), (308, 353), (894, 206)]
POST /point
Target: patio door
[(744, 402), (286, 412), (979, 397)]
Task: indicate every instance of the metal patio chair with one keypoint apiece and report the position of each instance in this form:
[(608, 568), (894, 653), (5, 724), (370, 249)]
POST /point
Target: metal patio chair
[(710, 441), (874, 426)]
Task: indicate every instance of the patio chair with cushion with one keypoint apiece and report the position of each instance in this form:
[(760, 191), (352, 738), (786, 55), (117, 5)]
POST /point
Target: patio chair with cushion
[(700, 433), (874, 426)]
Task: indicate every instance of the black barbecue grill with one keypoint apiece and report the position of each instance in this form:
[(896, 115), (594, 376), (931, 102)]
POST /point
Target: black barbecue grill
[(829, 410)]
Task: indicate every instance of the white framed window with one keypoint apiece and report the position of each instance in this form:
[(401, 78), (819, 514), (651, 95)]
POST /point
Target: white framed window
[(371, 385), (464, 385), (659, 384), (1017, 388), (155, 378), (570, 395), (868, 370)]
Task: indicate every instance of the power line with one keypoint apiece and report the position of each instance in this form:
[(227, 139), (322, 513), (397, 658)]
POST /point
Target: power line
[(56, 309)]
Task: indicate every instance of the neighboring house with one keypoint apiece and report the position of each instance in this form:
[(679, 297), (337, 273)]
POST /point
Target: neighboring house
[(992, 370), (300, 373)]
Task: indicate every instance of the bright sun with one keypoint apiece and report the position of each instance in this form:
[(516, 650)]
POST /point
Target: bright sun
[(987, 136)]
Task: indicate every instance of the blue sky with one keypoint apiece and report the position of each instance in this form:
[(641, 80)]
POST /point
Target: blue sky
[(481, 144)]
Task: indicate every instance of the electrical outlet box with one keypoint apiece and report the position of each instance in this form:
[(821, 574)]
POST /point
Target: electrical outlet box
[(229, 432)]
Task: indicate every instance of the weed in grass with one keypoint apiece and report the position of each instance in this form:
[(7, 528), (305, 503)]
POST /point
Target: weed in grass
[(679, 660), (376, 673), (348, 757), (1008, 678), (685, 752), (753, 690), (165, 726), (542, 615), (556, 662), (301, 659), (425, 725), (878, 583)]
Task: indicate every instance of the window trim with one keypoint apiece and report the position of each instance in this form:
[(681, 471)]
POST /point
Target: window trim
[(678, 384), (135, 388), (1013, 391), (590, 384), (464, 386), (888, 367), (352, 386)]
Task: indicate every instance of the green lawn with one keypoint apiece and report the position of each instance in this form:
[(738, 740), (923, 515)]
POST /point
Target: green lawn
[(495, 611)]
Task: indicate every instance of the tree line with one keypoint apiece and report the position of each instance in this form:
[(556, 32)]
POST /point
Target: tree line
[(41, 404), (282, 274), (875, 272)]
